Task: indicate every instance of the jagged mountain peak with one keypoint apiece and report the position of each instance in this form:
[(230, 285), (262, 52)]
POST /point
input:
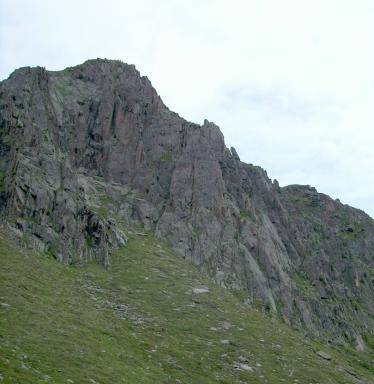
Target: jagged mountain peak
[(91, 146)]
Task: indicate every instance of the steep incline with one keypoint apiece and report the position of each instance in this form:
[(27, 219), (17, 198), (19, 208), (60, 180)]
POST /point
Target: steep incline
[(91, 146), (145, 322)]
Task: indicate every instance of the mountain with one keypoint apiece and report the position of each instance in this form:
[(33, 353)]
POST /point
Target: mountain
[(90, 150), (151, 318)]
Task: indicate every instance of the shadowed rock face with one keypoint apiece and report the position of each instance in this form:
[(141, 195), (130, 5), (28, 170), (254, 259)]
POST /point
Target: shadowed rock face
[(92, 146)]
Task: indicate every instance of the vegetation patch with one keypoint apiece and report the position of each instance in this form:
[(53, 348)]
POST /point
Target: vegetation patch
[(141, 322), (106, 199), (166, 158), (304, 286)]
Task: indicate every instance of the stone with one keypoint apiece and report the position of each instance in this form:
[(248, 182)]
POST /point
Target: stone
[(226, 325), (243, 367), (200, 290), (324, 355)]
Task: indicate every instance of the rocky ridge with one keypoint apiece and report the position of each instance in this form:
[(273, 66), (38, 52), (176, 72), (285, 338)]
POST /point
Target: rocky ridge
[(86, 150)]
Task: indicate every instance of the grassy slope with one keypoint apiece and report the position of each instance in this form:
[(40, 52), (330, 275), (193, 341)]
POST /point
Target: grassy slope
[(139, 322)]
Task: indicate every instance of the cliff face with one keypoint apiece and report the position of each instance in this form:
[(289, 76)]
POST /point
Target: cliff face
[(92, 147)]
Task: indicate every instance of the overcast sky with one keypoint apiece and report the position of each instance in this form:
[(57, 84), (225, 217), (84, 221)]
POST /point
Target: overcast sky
[(290, 82)]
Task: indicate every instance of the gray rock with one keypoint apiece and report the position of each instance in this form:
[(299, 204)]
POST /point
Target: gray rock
[(200, 290), (243, 367), (324, 355), (87, 148), (226, 325)]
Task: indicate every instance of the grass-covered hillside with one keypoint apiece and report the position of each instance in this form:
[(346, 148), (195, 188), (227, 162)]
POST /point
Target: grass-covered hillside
[(150, 318)]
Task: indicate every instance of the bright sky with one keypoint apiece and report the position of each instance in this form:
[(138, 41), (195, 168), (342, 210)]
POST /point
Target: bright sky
[(290, 83)]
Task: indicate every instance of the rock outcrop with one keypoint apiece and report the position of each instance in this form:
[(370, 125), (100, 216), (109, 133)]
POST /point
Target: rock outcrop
[(87, 148)]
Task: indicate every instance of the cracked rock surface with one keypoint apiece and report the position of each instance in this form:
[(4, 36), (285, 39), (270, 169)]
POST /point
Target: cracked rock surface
[(86, 150)]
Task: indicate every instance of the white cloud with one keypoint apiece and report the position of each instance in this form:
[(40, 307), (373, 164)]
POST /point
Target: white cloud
[(291, 82)]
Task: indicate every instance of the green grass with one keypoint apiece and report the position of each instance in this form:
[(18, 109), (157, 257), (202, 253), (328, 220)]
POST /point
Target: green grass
[(303, 204), (101, 211), (166, 158), (105, 200), (304, 286), (139, 322)]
